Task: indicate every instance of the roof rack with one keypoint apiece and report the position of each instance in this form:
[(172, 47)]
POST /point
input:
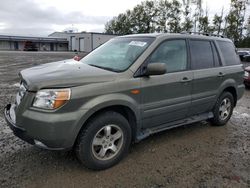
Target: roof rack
[(205, 34)]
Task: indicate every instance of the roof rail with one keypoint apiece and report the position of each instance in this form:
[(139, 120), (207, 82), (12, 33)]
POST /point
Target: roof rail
[(205, 34)]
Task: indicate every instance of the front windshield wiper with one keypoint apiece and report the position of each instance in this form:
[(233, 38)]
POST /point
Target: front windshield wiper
[(105, 68)]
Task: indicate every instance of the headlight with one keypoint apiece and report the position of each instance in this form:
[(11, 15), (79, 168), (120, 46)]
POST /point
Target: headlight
[(22, 90), (246, 74), (51, 98)]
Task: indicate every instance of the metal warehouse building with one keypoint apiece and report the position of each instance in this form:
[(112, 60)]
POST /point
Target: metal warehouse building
[(57, 41), (83, 42)]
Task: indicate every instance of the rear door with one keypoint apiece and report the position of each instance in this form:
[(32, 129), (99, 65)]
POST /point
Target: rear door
[(167, 97), (208, 75), (233, 70)]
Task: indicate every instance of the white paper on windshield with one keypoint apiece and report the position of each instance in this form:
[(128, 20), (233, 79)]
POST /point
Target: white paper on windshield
[(137, 43)]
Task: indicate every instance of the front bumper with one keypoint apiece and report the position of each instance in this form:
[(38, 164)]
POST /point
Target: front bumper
[(22, 133), (18, 131)]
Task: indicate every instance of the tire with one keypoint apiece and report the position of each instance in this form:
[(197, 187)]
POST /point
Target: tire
[(104, 142), (223, 109)]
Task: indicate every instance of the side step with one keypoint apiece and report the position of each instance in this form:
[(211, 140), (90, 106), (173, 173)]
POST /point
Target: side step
[(145, 133)]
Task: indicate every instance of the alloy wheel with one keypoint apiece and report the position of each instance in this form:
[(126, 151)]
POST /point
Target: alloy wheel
[(225, 109), (107, 142)]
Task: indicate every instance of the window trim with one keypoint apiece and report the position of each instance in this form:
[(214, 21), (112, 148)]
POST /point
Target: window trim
[(214, 47), (139, 71)]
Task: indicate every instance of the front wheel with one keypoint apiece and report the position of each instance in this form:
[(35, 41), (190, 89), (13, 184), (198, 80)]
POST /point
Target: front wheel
[(104, 141), (223, 109)]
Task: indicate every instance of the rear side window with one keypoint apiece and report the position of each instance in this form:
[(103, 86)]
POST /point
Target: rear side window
[(229, 53), (201, 54)]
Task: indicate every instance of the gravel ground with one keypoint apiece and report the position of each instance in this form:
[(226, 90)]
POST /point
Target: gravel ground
[(196, 155)]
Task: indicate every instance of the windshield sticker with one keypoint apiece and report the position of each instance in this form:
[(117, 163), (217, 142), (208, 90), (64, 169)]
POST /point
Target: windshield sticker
[(137, 43)]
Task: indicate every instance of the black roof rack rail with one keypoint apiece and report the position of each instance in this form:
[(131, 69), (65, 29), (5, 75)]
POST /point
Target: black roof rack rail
[(205, 34)]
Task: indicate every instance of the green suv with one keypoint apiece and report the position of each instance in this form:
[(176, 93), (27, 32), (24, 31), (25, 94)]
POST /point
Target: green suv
[(124, 91)]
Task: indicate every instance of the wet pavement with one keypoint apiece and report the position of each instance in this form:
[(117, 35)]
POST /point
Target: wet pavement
[(196, 155)]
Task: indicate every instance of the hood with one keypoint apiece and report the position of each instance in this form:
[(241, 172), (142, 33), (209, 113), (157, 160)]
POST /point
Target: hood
[(66, 73)]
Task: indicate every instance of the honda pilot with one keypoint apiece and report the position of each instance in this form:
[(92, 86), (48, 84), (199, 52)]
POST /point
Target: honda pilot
[(125, 90)]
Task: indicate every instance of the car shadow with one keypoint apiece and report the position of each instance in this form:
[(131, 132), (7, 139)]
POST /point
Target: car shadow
[(30, 155)]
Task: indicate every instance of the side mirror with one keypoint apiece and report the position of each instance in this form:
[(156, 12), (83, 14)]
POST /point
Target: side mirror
[(155, 69)]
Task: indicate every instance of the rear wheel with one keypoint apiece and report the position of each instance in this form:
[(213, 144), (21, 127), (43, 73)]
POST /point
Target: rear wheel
[(223, 109), (104, 142)]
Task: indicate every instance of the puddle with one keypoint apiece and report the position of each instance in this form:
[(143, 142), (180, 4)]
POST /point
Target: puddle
[(237, 114)]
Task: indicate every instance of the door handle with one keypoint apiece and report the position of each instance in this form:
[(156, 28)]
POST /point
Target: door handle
[(185, 79), (221, 74)]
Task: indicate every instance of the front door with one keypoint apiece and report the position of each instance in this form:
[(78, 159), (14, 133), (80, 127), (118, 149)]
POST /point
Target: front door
[(167, 97)]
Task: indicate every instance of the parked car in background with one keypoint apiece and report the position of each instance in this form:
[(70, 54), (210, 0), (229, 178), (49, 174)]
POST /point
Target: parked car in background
[(78, 57), (242, 54), (247, 77), (30, 46), (125, 90), (246, 58)]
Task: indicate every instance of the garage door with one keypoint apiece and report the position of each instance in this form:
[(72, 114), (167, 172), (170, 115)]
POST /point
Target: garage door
[(81, 44), (73, 43)]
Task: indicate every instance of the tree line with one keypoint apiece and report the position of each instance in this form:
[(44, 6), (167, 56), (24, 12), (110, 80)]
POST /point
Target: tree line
[(176, 16)]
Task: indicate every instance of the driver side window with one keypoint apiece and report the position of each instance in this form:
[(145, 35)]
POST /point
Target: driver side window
[(173, 53)]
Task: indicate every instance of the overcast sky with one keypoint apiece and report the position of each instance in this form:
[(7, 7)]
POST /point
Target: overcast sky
[(42, 17)]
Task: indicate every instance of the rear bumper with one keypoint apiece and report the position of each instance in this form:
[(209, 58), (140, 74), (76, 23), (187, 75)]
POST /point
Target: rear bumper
[(22, 133)]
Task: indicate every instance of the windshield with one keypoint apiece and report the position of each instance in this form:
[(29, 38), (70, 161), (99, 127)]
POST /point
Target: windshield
[(117, 54)]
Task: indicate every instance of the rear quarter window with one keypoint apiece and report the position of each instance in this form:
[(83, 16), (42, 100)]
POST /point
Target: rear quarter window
[(229, 53)]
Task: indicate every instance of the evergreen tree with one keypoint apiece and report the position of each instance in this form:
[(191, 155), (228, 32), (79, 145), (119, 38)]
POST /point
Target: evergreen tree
[(174, 17), (217, 23), (248, 27), (187, 25), (204, 24), (120, 25), (235, 20), (162, 16)]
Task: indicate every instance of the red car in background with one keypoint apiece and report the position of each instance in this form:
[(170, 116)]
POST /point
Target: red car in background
[(30, 46), (247, 77), (77, 58)]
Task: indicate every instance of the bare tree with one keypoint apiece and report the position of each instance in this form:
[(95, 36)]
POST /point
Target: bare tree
[(198, 12)]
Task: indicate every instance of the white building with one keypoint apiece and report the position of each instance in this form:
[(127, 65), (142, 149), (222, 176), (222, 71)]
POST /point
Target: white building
[(83, 42), (33, 43)]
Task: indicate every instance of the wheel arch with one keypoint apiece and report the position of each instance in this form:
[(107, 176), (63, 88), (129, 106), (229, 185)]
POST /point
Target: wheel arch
[(230, 86), (233, 91), (128, 108), (126, 111)]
